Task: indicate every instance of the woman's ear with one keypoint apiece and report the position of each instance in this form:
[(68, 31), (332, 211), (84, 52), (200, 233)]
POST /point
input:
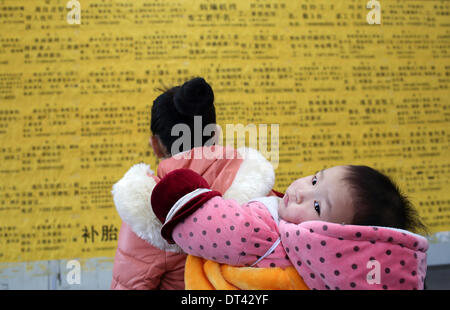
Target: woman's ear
[(157, 147)]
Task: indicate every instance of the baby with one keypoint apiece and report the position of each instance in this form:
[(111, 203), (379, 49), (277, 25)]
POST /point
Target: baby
[(304, 229)]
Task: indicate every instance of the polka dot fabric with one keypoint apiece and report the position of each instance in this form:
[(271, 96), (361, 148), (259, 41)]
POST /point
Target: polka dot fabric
[(229, 233), (331, 256)]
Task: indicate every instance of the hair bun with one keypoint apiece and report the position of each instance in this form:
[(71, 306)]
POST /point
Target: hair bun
[(194, 97)]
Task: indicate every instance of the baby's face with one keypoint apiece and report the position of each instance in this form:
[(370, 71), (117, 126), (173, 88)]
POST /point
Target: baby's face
[(322, 196)]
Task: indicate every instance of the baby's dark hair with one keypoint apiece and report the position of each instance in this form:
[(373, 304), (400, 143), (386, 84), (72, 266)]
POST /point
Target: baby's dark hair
[(179, 105), (378, 201)]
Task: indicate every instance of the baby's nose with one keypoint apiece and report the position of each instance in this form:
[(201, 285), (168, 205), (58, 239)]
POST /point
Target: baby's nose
[(302, 196)]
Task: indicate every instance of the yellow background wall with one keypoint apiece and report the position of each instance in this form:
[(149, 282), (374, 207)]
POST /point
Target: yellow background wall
[(75, 100)]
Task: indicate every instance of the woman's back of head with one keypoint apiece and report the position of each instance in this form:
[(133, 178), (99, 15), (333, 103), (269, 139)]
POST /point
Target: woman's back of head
[(183, 110)]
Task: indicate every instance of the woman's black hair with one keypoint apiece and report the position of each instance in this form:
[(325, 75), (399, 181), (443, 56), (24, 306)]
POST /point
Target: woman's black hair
[(378, 201), (179, 105)]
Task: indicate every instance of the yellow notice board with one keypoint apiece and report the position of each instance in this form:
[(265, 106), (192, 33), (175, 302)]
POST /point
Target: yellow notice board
[(75, 100)]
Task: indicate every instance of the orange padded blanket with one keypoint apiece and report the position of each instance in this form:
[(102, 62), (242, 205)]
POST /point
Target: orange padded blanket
[(201, 274)]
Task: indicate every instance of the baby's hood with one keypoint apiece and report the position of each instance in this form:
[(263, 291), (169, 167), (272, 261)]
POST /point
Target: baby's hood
[(334, 256), (241, 174)]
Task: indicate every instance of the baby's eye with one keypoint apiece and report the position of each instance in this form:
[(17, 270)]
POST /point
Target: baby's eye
[(317, 207), (314, 180)]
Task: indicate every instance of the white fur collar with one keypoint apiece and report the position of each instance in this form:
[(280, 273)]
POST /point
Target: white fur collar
[(255, 177), (132, 197)]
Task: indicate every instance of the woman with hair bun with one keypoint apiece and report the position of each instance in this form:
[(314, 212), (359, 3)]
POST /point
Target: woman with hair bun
[(180, 105), (144, 260)]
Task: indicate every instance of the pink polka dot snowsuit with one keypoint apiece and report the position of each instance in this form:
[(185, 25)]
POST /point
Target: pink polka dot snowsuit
[(326, 255)]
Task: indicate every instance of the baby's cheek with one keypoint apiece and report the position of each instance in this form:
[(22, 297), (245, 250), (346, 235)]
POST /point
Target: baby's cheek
[(296, 215)]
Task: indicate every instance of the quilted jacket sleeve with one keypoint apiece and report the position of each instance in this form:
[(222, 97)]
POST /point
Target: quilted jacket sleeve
[(227, 232)]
